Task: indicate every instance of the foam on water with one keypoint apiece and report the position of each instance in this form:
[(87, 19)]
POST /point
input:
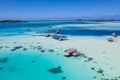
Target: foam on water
[(97, 26)]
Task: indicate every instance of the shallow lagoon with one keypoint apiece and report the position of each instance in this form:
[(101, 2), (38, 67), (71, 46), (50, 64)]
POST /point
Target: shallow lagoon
[(32, 57), (35, 65)]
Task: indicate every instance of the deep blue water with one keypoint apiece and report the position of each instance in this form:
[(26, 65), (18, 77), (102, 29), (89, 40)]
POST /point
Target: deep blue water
[(50, 27)]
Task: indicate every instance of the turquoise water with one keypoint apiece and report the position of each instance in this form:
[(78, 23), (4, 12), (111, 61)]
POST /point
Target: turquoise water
[(34, 63)]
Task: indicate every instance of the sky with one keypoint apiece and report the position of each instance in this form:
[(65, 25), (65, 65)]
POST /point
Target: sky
[(43, 9)]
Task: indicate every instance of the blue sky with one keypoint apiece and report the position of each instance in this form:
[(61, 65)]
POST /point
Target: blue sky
[(40, 9)]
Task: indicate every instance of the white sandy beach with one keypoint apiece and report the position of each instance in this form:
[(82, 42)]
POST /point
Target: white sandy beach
[(105, 53)]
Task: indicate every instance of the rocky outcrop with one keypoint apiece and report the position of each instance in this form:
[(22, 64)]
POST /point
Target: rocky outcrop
[(110, 39), (114, 35), (71, 52)]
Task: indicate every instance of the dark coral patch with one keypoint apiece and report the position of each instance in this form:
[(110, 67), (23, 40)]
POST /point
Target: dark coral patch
[(17, 47), (7, 47), (1, 47), (4, 60), (33, 61), (39, 47), (42, 50), (92, 68), (24, 49), (55, 70), (100, 71), (94, 77), (50, 50), (63, 78), (90, 59), (58, 54), (1, 68)]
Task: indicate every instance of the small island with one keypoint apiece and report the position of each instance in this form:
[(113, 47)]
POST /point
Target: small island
[(12, 21), (97, 20)]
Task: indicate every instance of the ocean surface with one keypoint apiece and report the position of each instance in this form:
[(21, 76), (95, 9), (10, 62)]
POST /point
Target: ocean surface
[(65, 28), (22, 60)]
